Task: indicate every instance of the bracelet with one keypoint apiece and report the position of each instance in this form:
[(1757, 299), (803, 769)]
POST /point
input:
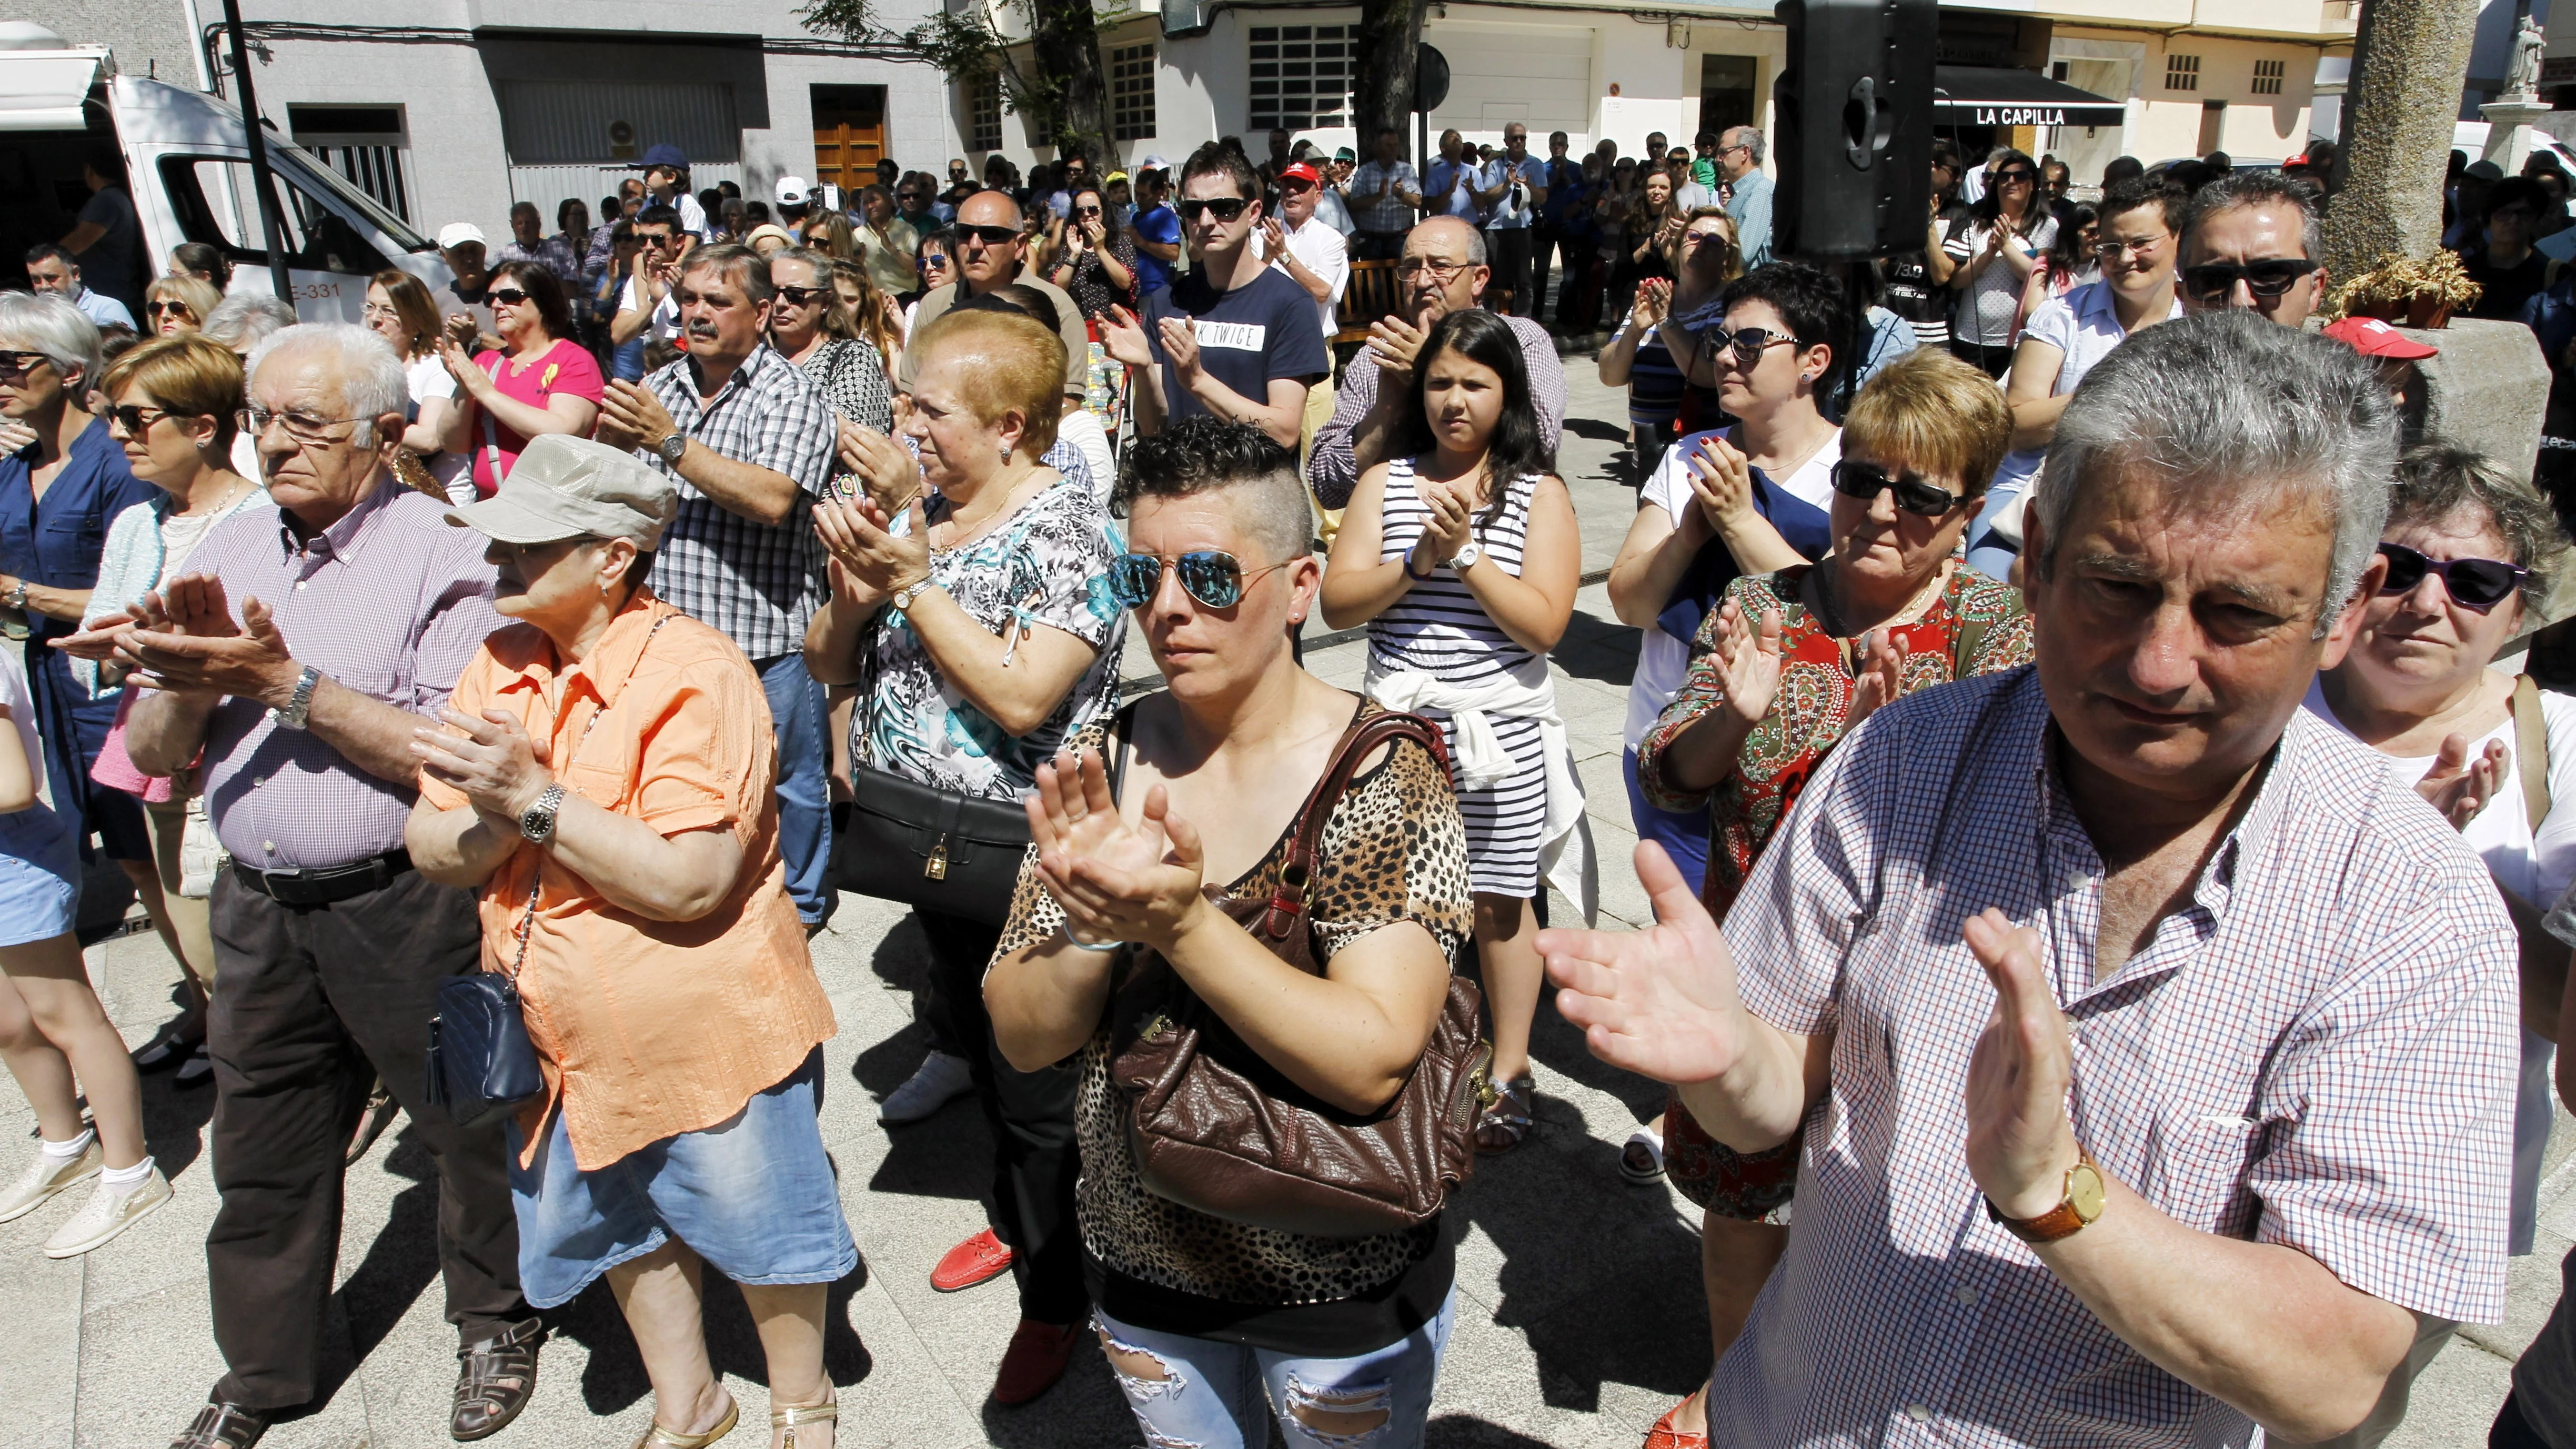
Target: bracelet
[(1080, 944), (1408, 567)]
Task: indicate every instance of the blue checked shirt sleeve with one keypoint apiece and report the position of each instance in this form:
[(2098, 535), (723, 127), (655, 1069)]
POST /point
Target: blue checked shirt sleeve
[(1813, 890)]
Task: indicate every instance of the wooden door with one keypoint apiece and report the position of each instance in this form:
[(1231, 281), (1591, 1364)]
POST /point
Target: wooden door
[(849, 135)]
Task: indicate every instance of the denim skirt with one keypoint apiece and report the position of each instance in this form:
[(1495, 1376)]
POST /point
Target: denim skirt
[(39, 881), (753, 1195)]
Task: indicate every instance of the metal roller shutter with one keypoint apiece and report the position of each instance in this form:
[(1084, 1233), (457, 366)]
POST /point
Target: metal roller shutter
[(581, 137)]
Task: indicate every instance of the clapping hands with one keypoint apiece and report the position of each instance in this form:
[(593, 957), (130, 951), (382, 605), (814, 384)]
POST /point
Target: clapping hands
[(1748, 661), (1116, 881)]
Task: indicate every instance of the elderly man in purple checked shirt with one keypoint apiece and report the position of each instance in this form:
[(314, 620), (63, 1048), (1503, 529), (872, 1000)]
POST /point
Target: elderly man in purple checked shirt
[(310, 642), (2151, 1044), (1443, 270)]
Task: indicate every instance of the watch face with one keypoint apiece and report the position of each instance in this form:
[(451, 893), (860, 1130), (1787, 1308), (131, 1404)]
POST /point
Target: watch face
[(2084, 1191)]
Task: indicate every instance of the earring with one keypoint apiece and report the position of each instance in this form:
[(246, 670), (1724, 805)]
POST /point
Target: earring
[(1006, 453)]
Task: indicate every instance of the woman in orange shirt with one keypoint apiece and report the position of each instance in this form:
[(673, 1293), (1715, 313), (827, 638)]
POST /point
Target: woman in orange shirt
[(604, 780)]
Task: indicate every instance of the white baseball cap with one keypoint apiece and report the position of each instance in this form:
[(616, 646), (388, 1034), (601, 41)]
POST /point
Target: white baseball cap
[(791, 190), (458, 233), (1153, 163)]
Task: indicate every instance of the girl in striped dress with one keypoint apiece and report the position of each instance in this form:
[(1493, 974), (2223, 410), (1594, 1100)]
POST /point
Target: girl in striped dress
[(1461, 555)]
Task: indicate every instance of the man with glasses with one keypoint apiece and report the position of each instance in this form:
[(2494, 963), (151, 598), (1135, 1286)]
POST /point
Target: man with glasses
[(1443, 270), (1384, 194), (1510, 193), (645, 302), (961, 184), (749, 440), (2252, 245), (992, 253), (1235, 337), (918, 208), (2140, 225), (462, 296), (51, 269), (306, 649), (1748, 202)]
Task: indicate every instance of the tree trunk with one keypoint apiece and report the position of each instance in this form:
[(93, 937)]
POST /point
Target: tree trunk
[(1065, 53), (1390, 30), (2409, 60)]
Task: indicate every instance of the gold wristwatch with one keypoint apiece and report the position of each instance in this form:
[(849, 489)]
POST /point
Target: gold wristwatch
[(2076, 1211)]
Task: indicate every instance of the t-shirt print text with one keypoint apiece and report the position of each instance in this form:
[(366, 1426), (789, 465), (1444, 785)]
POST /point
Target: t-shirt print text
[(1234, 336)]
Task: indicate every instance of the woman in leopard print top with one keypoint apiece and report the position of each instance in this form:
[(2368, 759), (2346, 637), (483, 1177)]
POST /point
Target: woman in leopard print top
[(1200, 1315)]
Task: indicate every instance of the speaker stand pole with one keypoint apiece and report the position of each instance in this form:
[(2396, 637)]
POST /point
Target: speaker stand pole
[(1857, 290)]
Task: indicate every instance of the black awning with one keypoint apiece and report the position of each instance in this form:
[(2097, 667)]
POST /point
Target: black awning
[(1991, 95)]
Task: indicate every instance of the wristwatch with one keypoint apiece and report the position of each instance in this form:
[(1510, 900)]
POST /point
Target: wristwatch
[(18, 596), (2075, 1212), (1457, 563), (903, 597), (672, 447), (290, 715), (538, 825)]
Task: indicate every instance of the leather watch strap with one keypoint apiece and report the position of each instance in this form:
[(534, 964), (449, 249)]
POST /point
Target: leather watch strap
[(2064, 1220)]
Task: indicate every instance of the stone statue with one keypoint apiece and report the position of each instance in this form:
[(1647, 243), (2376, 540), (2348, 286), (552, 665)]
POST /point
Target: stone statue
[(2522, 74)]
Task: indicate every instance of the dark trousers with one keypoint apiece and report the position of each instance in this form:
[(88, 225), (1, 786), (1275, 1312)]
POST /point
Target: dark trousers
[(2513, 1429), (310, 1005), (1578, 296), (1035, 1161), (1996, 360), (1507, 252), (1377, 246)]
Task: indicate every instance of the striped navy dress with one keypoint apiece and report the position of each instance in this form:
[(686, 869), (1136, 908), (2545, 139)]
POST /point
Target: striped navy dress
[(1439, 629)]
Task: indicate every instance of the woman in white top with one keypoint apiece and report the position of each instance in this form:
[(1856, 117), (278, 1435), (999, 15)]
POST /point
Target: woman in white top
[(2465, 544), (1996, 246), (399, 310)]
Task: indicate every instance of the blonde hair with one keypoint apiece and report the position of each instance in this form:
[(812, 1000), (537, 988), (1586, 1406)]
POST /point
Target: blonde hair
[(194, 293), (412, 304), (1022, 367), (1935, 412), (189, 374)]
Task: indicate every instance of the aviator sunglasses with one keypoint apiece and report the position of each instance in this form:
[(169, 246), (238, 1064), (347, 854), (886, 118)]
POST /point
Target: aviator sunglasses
[(2475, 584), (1227, 208), (1214, 578), (1864, 482)]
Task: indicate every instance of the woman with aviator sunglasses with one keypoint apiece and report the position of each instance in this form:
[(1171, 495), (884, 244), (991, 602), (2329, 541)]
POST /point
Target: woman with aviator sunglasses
[(539, 381), (1782, 672), (2466, 543), (172, 305), (1996, 245)]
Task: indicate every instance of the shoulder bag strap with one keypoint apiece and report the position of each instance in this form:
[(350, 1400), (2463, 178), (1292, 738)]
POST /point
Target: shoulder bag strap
[(491, 438), (1288, 905), (2531, 748)]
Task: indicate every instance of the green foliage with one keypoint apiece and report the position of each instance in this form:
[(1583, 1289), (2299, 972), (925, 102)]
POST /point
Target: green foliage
[(966, 46)]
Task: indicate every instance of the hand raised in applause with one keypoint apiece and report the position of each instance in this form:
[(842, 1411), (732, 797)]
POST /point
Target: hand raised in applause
[(889, 475), (1116, 881), (862, 543), (1748, 662), (1659, 1002), (2020, 1143), (1880, 677), (2459, 786)]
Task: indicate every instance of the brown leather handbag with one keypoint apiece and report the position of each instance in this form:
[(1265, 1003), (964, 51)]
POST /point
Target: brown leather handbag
[(1217, 1129)]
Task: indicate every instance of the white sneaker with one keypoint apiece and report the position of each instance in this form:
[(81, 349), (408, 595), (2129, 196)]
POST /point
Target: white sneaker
[(106, 1214), (940, 1079), (42, 1179)]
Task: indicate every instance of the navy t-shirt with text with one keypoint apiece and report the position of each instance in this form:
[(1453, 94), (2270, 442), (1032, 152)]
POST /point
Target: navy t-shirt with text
[(1260, 331)]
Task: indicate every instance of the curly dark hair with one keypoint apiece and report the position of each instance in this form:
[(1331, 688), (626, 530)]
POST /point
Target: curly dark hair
[(1202, 454)]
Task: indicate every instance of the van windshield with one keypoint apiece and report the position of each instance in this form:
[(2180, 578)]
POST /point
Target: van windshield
[(312, 173)]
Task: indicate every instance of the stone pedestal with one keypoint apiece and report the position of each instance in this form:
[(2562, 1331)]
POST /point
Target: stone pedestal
[(2487, 390), (2510, 129)]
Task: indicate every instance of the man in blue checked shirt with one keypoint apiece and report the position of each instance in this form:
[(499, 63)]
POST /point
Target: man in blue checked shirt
[(1511, 191)]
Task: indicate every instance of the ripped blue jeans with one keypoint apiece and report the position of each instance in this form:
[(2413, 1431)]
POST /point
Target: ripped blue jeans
[(1197, 1393)]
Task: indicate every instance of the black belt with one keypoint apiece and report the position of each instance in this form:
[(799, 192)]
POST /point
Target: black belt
[(322, 887)]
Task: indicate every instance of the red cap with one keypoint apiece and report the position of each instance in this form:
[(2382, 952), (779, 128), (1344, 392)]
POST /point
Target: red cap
[(2373, 338), (1302, 172)]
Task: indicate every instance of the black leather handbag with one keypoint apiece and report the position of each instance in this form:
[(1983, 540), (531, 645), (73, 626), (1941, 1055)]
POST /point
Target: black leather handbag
[(482, 1067), (932, 849)]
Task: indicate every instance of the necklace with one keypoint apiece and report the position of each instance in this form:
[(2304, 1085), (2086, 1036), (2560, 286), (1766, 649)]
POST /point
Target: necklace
[(223, 507)]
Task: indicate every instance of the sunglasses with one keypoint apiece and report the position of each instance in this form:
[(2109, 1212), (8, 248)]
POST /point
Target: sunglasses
[(20, 364), (2213, 281), (137, 419), (1227, 208), (506, 296), (1749, 343), (1864, 482), (1086, 211), (991, 236), (167, 309), (804, 296), (1215, 579), (2007, 178), (656, 240), (2475, 584)]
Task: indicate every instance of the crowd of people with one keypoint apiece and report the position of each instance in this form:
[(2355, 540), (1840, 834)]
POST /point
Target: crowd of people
[(2146, 916)]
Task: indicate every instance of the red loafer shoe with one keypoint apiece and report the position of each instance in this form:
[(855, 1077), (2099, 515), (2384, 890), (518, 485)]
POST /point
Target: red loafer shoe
[(1665, 1436), (1037, 1356), (980, 1259)]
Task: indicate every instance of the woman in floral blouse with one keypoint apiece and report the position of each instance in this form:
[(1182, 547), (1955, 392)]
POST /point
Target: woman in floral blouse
[(1780, 673)]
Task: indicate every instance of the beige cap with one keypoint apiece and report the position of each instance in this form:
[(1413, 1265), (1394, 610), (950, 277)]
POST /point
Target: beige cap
[(567, 487)]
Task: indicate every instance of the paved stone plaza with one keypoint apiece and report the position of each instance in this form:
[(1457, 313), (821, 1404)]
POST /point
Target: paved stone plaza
[(1579, 1317)]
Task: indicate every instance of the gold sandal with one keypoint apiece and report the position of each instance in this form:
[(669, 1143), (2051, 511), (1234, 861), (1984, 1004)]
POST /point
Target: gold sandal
[(662, 1436), (787, 1417)]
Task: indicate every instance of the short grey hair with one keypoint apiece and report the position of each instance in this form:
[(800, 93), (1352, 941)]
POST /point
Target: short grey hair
[(46, 322), (243, 320), (2240, 415), (2262, 188), (370, 376), (1750, 138), (737, 264)]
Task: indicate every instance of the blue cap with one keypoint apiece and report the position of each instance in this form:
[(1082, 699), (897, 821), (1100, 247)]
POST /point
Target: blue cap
[(666, 154)]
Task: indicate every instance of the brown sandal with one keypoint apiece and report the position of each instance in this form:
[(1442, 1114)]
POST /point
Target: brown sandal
[(495, 1378)]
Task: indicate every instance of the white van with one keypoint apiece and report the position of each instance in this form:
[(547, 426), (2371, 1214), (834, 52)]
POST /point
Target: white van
[(2471, 136), (187, 168)]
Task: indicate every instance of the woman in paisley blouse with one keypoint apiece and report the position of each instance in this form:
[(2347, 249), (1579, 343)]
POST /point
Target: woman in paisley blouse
[(1781, 672), (970, 601), (1213, 1326)]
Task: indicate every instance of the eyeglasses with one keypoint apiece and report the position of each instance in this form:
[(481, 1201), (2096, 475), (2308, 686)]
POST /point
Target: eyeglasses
[(1227, 208), (301, 426), (1703, 238), (991, 236), (1749, 343), (167, 309), (21, 364), (374, 313), (1214, 578), (2215, 281), (1412, 267), (2475, 584), (929, 261), (506, 296), (804, 296), (2112, 251), (137, 419), (1864, 482)]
